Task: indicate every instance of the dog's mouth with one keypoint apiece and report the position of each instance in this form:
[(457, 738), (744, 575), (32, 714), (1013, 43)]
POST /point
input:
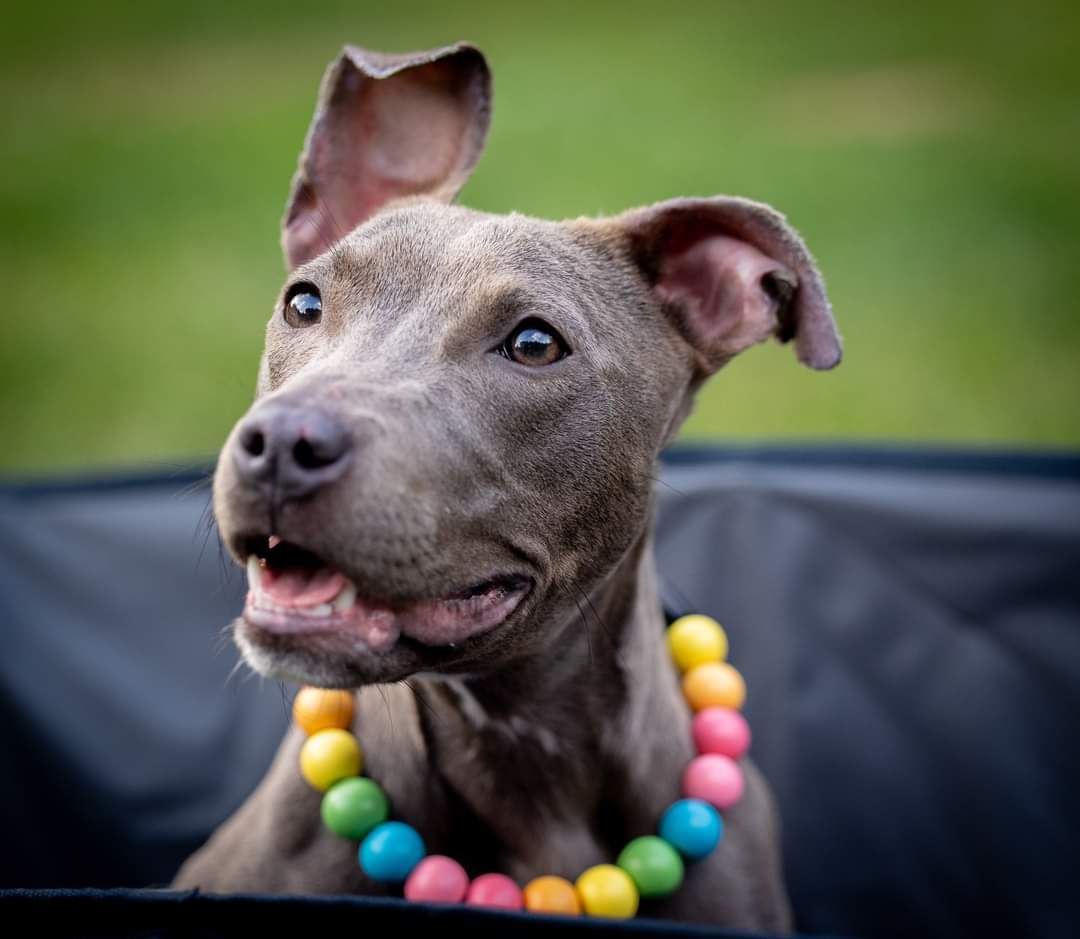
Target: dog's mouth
[(292, 591)]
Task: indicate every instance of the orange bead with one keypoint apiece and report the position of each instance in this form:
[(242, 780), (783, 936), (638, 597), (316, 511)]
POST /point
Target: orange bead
[(318, 709), (551, 894), (714, 684)]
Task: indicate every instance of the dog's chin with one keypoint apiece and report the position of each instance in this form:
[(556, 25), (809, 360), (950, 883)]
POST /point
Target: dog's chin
[(306, 622), (322, 661)]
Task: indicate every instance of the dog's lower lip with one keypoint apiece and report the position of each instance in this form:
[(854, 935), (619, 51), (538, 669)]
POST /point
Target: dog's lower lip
[(509, 583), (292, 592)]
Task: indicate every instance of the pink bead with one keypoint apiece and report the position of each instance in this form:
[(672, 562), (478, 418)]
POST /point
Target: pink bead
[(494, 890), (715, 779), (437, 879), (723, 731)]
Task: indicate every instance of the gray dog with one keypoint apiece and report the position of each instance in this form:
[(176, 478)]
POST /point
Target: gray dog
[(447, 478)]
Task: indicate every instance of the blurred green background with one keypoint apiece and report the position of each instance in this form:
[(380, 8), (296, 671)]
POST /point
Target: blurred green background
[(929, 153)]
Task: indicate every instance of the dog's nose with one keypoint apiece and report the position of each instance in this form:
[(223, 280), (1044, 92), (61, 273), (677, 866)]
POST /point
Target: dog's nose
[(290, 450)]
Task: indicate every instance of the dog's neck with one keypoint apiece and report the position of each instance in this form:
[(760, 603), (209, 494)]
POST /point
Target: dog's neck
[(578, 741)]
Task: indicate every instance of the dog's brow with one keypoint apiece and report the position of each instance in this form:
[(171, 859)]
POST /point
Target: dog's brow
[(349, 264), (506, 301), (497, 304)]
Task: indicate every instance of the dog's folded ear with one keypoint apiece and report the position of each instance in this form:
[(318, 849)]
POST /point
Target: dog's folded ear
[(385, 126), (732, 273)]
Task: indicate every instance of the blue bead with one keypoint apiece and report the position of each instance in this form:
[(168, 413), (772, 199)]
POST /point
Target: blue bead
[(693, 827), (390, 852)]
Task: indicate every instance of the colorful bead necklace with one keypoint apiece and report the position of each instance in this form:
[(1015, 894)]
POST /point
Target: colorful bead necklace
[(355, 807)]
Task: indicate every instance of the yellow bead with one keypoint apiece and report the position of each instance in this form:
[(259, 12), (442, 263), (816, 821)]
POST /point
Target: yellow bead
[(607, 890), (330, 756), (317, 709), (714, 684), (694, 640)]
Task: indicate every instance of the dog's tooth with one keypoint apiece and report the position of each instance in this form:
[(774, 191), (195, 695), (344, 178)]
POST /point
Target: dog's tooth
[(323, 609), (254, 573), (346, 599)]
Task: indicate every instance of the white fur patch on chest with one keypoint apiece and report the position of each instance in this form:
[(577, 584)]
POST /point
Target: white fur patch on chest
[(514, 727)]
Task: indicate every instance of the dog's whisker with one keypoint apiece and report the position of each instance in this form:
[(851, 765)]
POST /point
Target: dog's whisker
[(662, 482), (210, 532), (588, 631), (227, 568), (423, 700), (596, 616), (206, 518), (286, 701), (223, 639), (237, 669), (203, 482), (389, 710), (208, 525), (325, 219)]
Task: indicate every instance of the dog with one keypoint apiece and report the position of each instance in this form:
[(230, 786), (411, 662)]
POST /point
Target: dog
[(444, 495)]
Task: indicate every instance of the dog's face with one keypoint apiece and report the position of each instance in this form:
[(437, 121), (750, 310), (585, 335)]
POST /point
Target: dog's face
[(504, 391), (459, 414)]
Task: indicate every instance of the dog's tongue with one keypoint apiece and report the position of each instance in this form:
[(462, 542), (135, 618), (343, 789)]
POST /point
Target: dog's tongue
[(302, 586)]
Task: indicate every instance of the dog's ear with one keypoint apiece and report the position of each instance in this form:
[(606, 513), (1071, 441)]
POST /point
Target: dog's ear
[(732, 273), (385, 126)]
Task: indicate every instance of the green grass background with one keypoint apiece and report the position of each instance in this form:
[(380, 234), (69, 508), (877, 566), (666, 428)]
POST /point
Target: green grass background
[(929, 153)]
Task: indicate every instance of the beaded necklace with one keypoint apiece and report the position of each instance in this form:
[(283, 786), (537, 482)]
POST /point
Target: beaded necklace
[(355, 806)]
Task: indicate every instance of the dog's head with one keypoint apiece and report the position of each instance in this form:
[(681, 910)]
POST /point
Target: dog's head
[(459, 414)]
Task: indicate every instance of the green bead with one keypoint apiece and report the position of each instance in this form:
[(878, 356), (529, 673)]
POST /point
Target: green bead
[(352, 807), (653, 865)]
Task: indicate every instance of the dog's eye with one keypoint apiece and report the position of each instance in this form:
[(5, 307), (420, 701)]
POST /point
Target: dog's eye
[(534, 342), (303, 305)]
